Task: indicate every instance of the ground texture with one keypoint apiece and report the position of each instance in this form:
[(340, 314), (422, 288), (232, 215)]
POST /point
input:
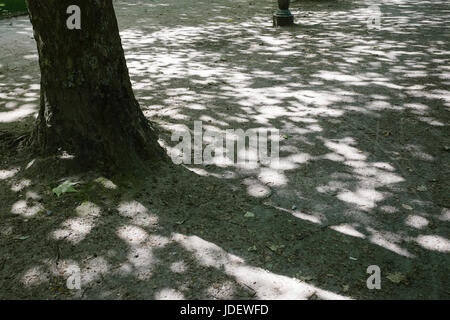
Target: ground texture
[(363, 178)]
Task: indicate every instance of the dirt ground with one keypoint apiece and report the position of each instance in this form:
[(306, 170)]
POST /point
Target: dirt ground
[(363, 178)]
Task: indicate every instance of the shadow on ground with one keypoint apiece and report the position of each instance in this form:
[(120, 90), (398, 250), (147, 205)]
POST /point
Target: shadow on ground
[(362, 178)]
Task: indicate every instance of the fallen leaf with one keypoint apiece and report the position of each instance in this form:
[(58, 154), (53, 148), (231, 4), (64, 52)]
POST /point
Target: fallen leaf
[(396, 277), (422, 188), (407, 207), (249, 214), (253, 248), (66, 187)]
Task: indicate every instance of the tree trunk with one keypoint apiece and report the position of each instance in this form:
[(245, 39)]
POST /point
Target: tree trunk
[(87, 106)]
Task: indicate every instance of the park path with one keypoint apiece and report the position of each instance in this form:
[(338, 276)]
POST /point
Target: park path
[(363, 115)]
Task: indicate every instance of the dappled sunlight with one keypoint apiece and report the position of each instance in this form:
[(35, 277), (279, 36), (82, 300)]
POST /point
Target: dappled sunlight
[(389, 241), (22, 208), (416, 221), (35, 276), (348, 230), (19, 75), (432, 242), (331, 79), (6, 174), (138, 214), (169, 294), (20, 185), (265, 284), (76, 229), (360, 178)]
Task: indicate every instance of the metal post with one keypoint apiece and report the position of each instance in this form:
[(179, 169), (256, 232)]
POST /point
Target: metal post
[(283, 17)]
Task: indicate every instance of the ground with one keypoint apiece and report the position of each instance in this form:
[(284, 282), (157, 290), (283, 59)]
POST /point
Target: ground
[(363, 178)]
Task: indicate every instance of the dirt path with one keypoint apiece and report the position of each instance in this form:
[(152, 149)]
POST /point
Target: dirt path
[(363, 176)]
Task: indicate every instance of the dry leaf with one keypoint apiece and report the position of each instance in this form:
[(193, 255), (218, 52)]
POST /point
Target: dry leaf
[(422, 188), (396, 277), (249, 214)]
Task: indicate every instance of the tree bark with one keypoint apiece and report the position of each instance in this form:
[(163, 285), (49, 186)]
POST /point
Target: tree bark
[(87, 106)]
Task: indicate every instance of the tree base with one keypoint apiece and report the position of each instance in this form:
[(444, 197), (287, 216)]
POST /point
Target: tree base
[(283, 18)]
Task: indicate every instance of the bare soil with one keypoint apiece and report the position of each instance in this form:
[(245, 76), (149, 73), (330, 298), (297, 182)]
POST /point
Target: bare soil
[(363, 178)]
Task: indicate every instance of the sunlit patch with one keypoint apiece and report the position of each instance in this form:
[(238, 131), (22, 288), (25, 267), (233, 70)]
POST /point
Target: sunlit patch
[(64, 268), (265, 284), (157, 241), (388, 241), (343, 148), (30, 164), (132, 235), (66, 156), (383, 165), (256, 188), (272, 177), (282, 165), (432, 122), (222, 290), (22, 208), (301, 215), (138, 214), (348, 230), (33, 196), (124, 269), (6, 174), (169, 294), (74, 230), (92, 270), (445, 215), (20, 185), (107, 184), (178, 267), (140, 255), (417, 152), (388, 209), (332, 156), (417, 222), (364, 198), (434, 243), (35, 276), (88, 209)]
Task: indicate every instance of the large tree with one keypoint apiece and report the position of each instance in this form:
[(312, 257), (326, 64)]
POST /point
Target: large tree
[(87, 103)]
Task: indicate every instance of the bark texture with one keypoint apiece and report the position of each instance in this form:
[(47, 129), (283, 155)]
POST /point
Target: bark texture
[(87, 106)]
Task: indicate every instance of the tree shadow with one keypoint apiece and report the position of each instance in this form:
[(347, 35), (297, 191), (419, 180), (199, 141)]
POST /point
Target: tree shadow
[(361, 179)]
